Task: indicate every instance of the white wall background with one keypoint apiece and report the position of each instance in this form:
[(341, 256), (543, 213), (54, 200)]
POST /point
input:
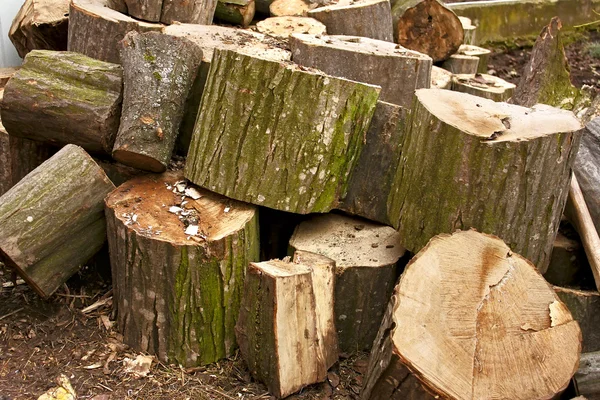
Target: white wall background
[(8, 54)]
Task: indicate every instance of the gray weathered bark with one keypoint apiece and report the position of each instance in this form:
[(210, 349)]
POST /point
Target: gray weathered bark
[(587, 169)]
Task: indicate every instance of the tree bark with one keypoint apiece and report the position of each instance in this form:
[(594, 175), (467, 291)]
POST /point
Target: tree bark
[(26, 155), (366, 256), (178, 294), (96, 30), (159, 71), (75, 98), (486, 86), (470, 319), (587, 378), (507, 174), (440, 78), (479, 52), (398, 71), (52, 221), (250, 106), (235, 12), (461, 64), (587, 169), (369, 18), (283, 27), (40, 25), (585, 308), (5, 175), (427, 26), (199, 12)]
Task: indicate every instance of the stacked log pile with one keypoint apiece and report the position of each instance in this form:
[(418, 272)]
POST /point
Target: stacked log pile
[(291, 121)]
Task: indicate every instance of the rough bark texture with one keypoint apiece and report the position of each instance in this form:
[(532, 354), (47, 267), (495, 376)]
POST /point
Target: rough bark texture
[(199, 12), (471, 320), (76, 100), (62, 199), (250, 142), (366, 256), (235, 13), (40, 25), (568, 266), (461, 64), (440, 78), (587, 169), (479, 52), (284, 27), (585, 308), (96, 30), (486, 86), (158, 71), (398, 71), (178, 295), (470, 162), (587, 378), (26, 155), (369, 18)]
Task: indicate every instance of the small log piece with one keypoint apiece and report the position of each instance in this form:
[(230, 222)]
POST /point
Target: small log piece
[(52, 221), (483, 85), (568, 266), (470, 319), (587, 169), (159, 71), (366, 256), (469, 31), (479, 52), (235, 12), (178, 269), (398, 71), (283, 27), (587, 378), (291, 8), (40, 25), (501, 152), (367, 18), (461, 64), (585, 308), (440, 78), (263, 117), (75, 98)]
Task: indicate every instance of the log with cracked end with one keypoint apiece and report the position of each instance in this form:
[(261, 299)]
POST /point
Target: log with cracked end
[(284, 27), (483, 85), (470, 319), (179, 267)]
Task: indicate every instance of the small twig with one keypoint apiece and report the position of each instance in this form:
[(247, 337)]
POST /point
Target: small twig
[(11, 313), (96, 305)]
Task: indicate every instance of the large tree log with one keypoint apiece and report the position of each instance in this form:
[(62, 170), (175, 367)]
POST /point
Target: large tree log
[(366, 256), (470, 319), (76, 99), (585, 308), (587, 169), (250, 142), (236, 12), (507, 173), (587, 378), (96, 30), (482, 85), (284, 27), (177, 290), (52, 221), (40, 25), (159, 71), (367, 18), (427, 26), (398, 71)]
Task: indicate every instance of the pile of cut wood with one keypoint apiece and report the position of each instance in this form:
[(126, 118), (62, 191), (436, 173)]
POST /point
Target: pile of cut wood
[(317, 166)]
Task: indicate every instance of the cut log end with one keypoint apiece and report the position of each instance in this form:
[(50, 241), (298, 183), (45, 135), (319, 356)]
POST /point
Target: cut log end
[(284, 27)]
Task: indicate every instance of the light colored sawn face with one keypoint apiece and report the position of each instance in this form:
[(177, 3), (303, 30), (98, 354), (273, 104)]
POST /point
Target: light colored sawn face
[(100, 7), (496, 85)]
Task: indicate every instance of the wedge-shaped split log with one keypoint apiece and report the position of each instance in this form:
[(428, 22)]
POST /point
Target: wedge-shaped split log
[(178, 268), (53, 221), (483, 85), (307, 150), (469, 162), (469, 320), (285, 329)]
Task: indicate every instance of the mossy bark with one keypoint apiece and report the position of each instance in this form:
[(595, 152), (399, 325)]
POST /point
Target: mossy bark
[(76, 100), (159, 71), (258, 140), (585, 308), (53, 220), (236, 13)]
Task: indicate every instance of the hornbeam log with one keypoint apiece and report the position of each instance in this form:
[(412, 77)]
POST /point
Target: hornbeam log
[(178, 269), (587, 378), (483, 85), (76, 100), (470, 319), (40, 25), (159, 71), (587, 169), (284, 27), (367, 18), (507, 174), (398, 71), (263, 116), (479, 52), (96, 30), (469, 31), (53, 221), (585, 308), (427, 26), (236, 12), (279, 329), (366, 256), (461, 64), (440, 78), (290, 8)]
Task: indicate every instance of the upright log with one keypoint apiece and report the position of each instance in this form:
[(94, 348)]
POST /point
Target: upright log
[(507, 174), (470, 319), (587, 378), (178, 269), (52, 221), (479, 52), (461, 64), (585, 308), (284, 27), (587, 169), (236, 12), (261, 97), (483, 85)]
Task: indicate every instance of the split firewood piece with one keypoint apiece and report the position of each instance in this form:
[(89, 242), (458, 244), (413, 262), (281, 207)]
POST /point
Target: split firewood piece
[(284, 27), (479, 52), (76, 99), (53, 220), (199, 12), (546, 77), (279, 329), (440, 78), (587, 378), (291, 8), (6, 74), (461, 64), (512, 338), (179, 256), (585, 308), (366, 256), (398, 71), (501, 154), (366, 18), (40, 25), (159, 71), (469, 30), (427, 26), (235, 12), (96, 30), (249, 108), (587, 169), (568, 265), (483, 85)]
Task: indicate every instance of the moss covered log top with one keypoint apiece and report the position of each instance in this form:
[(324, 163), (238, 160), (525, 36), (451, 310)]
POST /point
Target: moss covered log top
[(276, 135)]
